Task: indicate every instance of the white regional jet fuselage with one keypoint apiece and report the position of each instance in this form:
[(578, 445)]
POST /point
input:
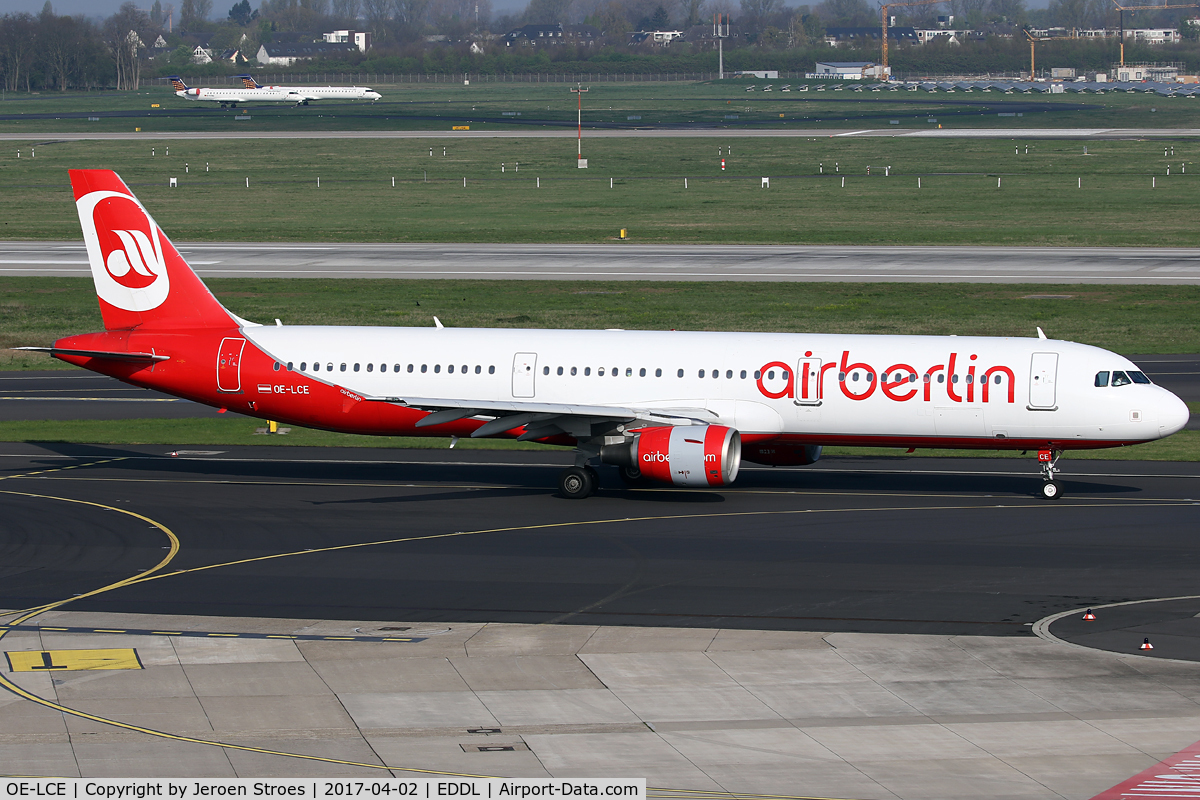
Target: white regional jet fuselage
[(305, 93), (683, 408), (235, 96)]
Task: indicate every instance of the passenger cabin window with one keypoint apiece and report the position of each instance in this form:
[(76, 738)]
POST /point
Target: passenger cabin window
[(276, 367), (658, 373), (303, 366), (370, 367), (316, 367), (1101, 378), (642, 372), (587, 371), (743, 374), (701, 373), (356, 367), (1120, 379), (396, 368), (424, 367), (478, 369), (545, 370), (343, 367), (450, 369), (329, 367), (679, 373), (629, 372), (289, 366), (560, 370), (492, 370), (437, 368), (464, 369), (410, 368)]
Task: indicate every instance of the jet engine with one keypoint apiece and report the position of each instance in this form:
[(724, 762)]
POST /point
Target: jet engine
[(683, 455)]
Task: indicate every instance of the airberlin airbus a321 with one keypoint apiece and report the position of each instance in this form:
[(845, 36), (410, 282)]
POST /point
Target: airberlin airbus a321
[(670, 407)]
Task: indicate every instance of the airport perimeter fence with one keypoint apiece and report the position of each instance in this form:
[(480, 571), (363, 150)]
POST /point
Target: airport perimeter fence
[(369, 79)]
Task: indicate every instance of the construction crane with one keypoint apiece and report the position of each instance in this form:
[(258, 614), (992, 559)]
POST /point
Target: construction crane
[(1122, 9), (883, 11), (1033, 40)]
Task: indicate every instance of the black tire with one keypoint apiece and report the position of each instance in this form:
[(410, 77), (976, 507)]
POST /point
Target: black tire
[(574, 483), (632, 477), (594, 476), (1051, 490)]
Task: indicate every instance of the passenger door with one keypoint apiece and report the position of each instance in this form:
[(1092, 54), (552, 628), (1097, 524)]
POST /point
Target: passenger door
[(229, 365), (524, 374), (1043, 373), (808, 381)]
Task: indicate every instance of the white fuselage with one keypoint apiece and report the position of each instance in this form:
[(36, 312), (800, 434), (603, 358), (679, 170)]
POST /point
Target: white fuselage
[(826, 387), (264, 94), (328, 92)]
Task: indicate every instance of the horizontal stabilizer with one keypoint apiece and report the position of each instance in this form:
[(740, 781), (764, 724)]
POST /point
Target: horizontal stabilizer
[(107, 354)]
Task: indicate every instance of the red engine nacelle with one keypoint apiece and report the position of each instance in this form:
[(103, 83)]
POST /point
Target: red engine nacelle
[(684, 455)]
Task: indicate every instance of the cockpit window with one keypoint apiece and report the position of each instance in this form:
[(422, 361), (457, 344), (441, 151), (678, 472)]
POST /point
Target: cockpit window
[(1120, 379), (1138, 377), (1102, 378)]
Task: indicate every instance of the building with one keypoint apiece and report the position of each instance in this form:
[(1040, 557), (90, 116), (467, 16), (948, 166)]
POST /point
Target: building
[(286, 54), (549, 35), (848, 70), (869, 33), (1153, 35), (660, 38), (764, 74), (361, 39), (1164, 73)]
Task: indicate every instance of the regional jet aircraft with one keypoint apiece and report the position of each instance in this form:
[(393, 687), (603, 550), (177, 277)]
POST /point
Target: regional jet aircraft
[(303, 94), (231, 97), (673, 407)]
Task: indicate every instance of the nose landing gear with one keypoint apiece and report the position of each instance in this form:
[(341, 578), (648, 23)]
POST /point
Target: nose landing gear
[(1051, 489)]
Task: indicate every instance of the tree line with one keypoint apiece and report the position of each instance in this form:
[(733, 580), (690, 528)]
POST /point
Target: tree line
[(53, 52)]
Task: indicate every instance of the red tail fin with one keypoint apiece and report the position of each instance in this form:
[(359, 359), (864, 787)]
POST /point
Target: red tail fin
[(141, 279)]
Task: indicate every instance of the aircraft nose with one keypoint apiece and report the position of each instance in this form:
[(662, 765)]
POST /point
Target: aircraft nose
[(1173, 414)]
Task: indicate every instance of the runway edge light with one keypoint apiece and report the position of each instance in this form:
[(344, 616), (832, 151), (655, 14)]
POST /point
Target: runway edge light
[(1088, 615), (1146, 644)]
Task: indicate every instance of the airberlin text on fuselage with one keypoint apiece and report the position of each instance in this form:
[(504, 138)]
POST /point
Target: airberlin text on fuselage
[(900, 382)]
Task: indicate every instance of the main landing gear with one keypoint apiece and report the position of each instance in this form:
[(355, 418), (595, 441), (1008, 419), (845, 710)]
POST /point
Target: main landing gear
[(1051, 489), (576, 483)]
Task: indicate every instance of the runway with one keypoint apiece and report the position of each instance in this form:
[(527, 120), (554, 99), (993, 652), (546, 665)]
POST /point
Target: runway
[(960, 546), (564, 132), (621, 261)]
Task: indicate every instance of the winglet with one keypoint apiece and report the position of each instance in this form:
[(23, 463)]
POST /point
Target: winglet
[(1041, 333), (438, 322)]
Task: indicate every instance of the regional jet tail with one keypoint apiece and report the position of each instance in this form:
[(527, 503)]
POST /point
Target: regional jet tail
[(303, 94), (669, 407)]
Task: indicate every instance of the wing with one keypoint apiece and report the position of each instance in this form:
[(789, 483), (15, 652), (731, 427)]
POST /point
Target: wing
[(541, 420)]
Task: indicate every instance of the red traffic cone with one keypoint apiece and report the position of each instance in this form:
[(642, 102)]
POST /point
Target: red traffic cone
[(1089, 615), (174, 454), (1146, 644)]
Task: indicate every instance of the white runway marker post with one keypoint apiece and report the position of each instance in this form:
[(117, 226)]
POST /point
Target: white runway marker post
[(843, 181), (247, 183)]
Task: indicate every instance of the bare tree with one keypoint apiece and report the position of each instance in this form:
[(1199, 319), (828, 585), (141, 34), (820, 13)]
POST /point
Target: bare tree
[(346, 10), (16, 48), (122, 34), (194, 12), (757, 9), (62, 42), (547, 12)]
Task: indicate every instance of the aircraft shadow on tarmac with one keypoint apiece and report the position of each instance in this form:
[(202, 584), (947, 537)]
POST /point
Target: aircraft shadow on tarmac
[(889, 474)]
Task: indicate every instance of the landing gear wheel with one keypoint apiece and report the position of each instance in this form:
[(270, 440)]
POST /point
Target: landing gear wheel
[(631, 477), (594, 476), (574, 483), (1051, 490)]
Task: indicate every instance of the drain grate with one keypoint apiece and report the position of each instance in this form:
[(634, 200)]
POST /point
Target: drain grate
[(483, 730), (494, 748)]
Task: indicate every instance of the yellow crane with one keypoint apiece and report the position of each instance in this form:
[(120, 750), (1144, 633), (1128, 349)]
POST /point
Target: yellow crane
[(883, 11), (1122, 9), (1033, 40)]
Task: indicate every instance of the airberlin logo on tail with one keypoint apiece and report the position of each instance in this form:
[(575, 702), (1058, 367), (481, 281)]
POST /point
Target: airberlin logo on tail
[(125, 249)]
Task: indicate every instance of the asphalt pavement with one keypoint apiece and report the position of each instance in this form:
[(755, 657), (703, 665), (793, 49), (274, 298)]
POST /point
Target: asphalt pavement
[(884, 545)]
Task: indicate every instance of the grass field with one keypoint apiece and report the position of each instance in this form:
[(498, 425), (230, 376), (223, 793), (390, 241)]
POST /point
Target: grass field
[(490, 106), (1127, 197), (1128, 319)]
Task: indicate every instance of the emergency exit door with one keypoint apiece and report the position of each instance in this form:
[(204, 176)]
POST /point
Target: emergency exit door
[(229, 365), (808, 381)]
